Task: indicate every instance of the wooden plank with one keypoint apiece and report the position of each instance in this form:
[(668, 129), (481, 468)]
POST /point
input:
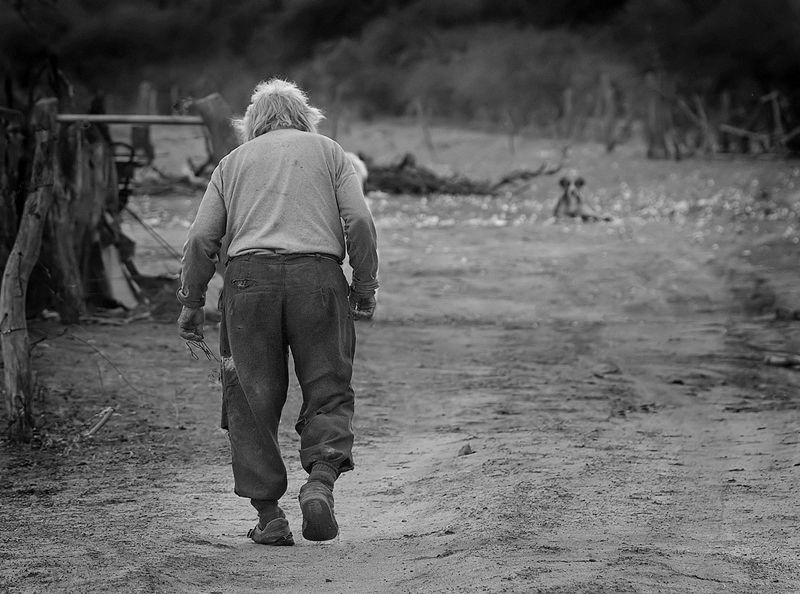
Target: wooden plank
[(117, 279), (136, 119)]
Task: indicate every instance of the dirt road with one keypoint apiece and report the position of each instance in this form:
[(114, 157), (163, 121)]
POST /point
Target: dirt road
[(540, 408)]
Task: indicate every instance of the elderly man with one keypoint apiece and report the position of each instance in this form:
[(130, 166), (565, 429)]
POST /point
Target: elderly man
[(278, 201)]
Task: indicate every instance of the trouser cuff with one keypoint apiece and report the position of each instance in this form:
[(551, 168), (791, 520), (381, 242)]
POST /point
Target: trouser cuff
[(264, 504)]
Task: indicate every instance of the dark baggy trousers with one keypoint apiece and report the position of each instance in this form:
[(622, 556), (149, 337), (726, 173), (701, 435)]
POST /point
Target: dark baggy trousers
[(271, 304)]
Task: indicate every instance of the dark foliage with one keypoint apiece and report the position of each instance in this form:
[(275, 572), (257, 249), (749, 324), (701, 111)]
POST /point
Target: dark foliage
[(389, 56)]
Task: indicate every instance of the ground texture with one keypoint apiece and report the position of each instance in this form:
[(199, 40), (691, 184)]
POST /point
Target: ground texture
[(541, 407)]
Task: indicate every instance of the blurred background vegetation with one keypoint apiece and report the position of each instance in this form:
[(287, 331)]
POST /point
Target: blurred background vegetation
[(514, 64)]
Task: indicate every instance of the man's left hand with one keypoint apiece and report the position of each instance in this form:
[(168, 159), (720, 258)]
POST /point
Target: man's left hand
[(190, 323), (362, 306)]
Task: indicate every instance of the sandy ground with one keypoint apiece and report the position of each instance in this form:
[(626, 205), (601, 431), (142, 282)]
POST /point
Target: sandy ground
[(541, 407)]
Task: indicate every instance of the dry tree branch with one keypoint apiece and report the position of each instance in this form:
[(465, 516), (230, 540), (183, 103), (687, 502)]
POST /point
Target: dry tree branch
[(110, 362), (525, 174), (45, 337)]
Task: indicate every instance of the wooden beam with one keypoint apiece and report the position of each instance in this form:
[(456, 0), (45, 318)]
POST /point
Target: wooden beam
[(136, 119)]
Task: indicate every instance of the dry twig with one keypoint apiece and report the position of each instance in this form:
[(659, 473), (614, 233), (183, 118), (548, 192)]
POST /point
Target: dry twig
[(110, 362), (104, 415), (203, 348)]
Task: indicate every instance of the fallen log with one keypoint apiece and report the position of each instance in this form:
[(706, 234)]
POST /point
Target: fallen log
[(406, 177)]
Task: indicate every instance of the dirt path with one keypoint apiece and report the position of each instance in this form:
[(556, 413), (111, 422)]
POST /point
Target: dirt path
[(608, 379)]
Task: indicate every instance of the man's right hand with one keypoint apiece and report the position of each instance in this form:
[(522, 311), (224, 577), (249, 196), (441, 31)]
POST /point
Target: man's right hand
[(362, 305), (190, 323)]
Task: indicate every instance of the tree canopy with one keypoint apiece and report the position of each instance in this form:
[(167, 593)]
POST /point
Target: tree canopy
[(506, 60)]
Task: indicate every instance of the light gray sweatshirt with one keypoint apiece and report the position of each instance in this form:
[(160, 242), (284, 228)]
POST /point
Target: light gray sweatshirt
[(285, 191)]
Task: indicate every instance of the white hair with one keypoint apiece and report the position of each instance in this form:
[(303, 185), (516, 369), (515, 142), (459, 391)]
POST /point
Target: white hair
[(277, 104)]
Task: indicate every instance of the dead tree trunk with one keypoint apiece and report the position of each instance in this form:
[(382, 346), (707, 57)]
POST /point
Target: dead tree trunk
[(424, 124), (23, 257), (725, 118), (708, 141), (662, 142), (8, 211), (11, 125), (513, 129), (653, 129), (567, 113), (779, 132), (61, 258), (609, 112)]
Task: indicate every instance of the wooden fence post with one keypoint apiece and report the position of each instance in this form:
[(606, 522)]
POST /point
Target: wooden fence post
[(141, 140), (23, 257)]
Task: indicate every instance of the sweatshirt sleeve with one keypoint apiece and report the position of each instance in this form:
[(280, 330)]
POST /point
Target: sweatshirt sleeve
[(359, 227), (202, 245)]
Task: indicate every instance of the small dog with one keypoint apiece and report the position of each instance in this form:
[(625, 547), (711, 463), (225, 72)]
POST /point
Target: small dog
[(570, 203)]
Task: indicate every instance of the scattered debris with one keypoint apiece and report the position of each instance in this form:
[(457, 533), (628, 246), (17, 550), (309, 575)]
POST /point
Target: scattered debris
[(784, 314), (104, 415), (466, 450), (603, 369), (407, 177), (788, 360)]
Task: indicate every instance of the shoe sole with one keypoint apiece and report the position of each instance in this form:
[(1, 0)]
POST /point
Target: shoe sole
[(319, 522)]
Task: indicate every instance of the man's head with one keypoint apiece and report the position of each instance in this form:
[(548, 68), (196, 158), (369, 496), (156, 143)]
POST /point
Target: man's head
[(277, 104)]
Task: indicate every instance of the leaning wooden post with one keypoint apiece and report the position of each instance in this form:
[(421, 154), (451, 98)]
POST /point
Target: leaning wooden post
[(23, 257), (217, 115), (220, 139)]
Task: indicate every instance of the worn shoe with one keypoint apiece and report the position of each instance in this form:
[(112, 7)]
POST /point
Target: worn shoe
[(316, 503), (275, 533)]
